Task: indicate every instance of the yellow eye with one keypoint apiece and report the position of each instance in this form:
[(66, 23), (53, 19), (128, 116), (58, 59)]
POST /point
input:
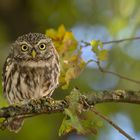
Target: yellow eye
[(42, 47), (24, 48)]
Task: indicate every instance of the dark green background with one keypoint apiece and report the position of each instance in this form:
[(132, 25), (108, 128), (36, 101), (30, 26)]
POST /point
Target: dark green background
[(88, 19)]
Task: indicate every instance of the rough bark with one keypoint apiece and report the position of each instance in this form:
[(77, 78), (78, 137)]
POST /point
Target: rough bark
[(49, 105)]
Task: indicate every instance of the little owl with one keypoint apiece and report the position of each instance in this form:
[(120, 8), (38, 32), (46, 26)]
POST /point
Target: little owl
[(31, 71)]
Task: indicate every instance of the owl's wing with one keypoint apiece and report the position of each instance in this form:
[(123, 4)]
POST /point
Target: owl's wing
[(6, 72)]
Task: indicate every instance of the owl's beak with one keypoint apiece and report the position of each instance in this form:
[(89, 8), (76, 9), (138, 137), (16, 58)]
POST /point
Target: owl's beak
[(33, 53)]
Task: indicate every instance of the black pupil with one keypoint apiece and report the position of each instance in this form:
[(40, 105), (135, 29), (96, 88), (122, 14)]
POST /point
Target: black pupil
[(24, 47), (41, 46)]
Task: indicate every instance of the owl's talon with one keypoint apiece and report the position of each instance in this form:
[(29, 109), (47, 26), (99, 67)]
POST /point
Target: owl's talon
[(4, 124)]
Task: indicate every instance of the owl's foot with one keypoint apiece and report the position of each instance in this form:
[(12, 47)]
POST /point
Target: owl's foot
[(41, 101)]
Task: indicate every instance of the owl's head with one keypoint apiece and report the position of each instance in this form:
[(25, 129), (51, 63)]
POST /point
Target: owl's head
[(33, 47)]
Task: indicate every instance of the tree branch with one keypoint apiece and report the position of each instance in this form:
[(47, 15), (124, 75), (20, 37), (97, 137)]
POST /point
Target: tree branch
[(49, 105)]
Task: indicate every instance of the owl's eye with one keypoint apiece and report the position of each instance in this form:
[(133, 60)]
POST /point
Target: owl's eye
[(42, 47), (24, 47)]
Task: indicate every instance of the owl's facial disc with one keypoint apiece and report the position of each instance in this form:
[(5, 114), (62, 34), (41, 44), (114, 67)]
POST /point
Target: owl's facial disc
[(33, 47), (33, 52)]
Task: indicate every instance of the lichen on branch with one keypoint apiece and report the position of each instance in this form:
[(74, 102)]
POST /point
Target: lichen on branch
[(72, 105), (49, 105)]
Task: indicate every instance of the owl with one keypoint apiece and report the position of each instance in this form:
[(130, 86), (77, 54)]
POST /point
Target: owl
[(31, 71)]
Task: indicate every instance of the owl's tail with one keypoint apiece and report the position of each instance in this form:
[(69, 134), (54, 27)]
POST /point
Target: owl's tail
[(15, 124)]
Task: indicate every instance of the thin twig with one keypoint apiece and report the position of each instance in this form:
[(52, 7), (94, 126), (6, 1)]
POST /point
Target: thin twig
[(110, 72), (111, 123), (122, 77), (121, 40), (116, 74), (114, 41)]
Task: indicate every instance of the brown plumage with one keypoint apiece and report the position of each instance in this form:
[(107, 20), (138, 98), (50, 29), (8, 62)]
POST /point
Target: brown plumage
[(31, 71)]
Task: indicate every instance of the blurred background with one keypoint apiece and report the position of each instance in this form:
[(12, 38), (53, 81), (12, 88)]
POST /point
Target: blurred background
[(87, 19)]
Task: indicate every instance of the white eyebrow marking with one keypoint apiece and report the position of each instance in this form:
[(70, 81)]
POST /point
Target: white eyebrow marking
[(24, 43), (44, 41)]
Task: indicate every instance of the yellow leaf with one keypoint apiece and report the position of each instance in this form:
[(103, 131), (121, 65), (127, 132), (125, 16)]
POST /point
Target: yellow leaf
[(70, 58), (103, 54), (95, 44), (69, 41), (51, 33), (61, 31), (70, 74)]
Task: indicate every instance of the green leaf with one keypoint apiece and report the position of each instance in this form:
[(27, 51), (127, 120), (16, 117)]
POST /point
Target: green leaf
[(74, 99), (75, 119), (99, 123), (70, 122), (89, 126), (65, 127)]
